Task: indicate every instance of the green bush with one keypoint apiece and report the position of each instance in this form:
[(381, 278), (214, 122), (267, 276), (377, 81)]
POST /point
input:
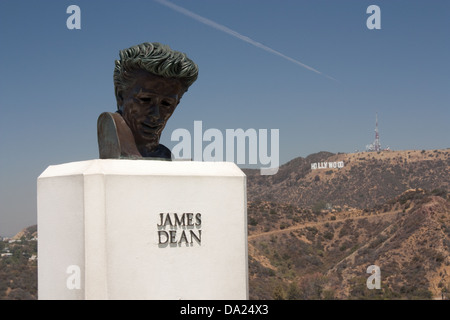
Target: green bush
[(278, 293), (252, 221), (319, 206), (328, 235)]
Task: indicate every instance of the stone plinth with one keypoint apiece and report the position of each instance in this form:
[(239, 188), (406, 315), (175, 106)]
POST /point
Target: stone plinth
[(142, 229)]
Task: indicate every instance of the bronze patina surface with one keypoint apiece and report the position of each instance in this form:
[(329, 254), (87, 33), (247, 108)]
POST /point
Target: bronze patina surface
[(149, 81)]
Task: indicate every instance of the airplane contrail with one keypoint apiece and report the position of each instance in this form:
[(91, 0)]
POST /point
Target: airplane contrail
[(237, 35)]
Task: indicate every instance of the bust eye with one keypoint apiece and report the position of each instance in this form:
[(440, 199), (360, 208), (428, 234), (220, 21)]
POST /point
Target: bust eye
[(145, 99), (166, 103)]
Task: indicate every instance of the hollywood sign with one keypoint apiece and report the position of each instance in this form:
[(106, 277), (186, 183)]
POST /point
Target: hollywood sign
[(327, 165)]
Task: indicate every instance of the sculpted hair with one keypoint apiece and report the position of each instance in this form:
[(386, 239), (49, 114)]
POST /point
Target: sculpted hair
[(156, 58)]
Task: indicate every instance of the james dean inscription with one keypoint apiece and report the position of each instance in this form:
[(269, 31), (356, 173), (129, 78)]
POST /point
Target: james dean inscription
[(179, 228)]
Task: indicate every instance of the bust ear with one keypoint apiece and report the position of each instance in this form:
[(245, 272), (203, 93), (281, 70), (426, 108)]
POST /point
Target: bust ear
[(119, 98), (181, 95)]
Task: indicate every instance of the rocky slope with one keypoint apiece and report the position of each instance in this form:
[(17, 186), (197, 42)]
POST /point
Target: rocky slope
[(296, 254), (367, 178)]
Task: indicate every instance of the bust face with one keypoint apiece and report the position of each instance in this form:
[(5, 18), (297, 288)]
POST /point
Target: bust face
[(146, 106)]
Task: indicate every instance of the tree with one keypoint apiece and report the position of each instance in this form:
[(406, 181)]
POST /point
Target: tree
[(319, 206), (311, 286), (293, 292), (278, 293)]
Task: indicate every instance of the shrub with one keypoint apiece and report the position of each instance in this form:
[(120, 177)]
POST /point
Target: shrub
[(252, 221), (279, 293), (328, 235), (319, 206), (293, 292), (283, 226)]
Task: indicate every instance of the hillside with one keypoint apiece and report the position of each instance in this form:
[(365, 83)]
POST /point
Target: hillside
[(27, 233), (412, 252), (367, 178), (313, 233), (296, 254), (18, 266)]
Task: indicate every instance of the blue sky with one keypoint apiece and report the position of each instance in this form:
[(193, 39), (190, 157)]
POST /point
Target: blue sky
[(55, 81)]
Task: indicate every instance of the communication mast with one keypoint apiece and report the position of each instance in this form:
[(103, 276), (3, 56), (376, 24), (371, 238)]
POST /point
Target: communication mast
[(376, 145)]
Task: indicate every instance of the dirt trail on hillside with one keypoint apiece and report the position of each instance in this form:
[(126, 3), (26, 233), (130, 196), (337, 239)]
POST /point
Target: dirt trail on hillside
[(312, 224)]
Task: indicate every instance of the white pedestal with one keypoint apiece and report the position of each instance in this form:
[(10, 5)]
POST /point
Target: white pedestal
[(101, 236)]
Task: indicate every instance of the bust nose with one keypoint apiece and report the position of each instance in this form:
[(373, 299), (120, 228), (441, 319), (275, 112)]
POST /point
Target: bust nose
[(153, 112)]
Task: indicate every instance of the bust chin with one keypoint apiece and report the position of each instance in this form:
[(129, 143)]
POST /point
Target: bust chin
[(116, 141)]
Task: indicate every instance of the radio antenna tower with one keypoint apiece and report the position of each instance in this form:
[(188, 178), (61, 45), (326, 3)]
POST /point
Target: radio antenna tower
[(376, 143)]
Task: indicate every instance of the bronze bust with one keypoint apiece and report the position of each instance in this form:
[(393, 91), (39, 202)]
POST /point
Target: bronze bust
[(149, 81)]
